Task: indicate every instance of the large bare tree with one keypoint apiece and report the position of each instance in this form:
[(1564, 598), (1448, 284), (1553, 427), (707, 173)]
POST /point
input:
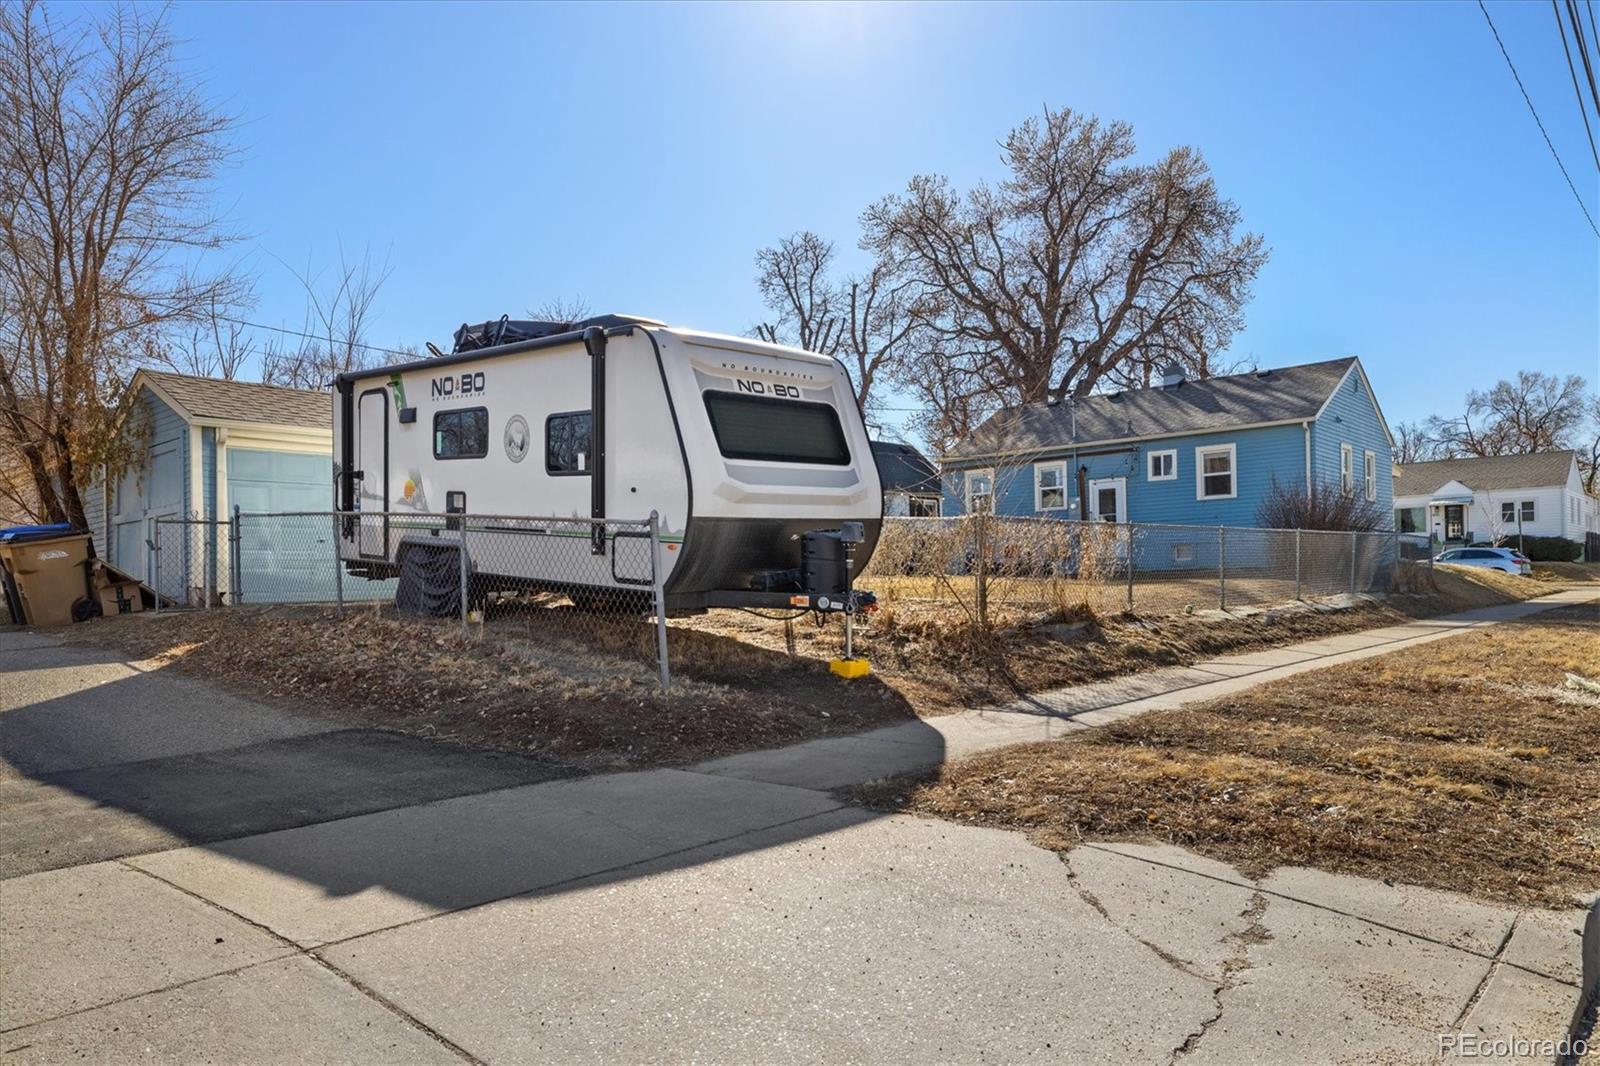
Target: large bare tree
[(867, 322), (1533, 412), (1081, 268), (107, 156)]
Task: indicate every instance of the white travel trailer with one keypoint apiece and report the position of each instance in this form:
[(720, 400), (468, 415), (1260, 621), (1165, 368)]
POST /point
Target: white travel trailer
[(752, 454)]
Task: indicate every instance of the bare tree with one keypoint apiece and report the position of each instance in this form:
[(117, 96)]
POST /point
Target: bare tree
[(868, 322), (106, 161), (1412, 444), (1535, 412), (335, 332), (1589, 459), (1079, 268), (216, 346), (793, 277), (562, 309)]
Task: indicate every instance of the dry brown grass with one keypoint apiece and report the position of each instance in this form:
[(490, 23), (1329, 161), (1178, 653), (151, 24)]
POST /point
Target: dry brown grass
[(517, 685), (1464, 764)]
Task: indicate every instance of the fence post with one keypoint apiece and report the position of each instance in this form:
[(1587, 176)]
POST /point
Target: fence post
[(338, 571), (1222, 569), (1353, 542), (658, 593), (238, 565), (1297, 565), (983, 569), (208, 556), (461, 557), (155, 560), (1131, 532)]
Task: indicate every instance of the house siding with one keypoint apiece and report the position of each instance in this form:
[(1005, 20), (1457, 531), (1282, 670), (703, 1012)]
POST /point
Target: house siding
[(1260, 456), (1351, 418), (131, 503)]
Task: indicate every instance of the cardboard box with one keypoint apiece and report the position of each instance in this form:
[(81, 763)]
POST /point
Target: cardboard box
[(120, 597)]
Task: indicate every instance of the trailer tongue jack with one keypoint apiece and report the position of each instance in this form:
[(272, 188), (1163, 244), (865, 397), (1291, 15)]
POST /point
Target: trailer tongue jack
[(827, 564)]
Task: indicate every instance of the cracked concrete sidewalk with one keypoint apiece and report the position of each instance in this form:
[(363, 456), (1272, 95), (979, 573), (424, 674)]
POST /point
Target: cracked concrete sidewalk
[(738, 911)]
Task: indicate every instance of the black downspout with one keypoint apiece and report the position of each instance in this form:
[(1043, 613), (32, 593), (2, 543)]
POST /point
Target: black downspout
[(344, 491), (594, 342)]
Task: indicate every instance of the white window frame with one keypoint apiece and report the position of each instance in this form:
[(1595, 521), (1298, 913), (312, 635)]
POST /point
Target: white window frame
[(972, 475), (1508, 505), (1529, 511), (1200, 454), (1347, 469), (1149, 463), (1039, 490), (1369, 474)]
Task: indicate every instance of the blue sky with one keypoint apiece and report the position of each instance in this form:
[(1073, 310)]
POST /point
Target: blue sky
[(501, 155)]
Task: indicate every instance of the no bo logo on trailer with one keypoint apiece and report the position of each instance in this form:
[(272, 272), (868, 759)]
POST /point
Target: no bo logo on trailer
[(445, 388)]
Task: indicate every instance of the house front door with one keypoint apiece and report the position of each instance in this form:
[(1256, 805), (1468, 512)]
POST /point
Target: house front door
[(1455, 525)]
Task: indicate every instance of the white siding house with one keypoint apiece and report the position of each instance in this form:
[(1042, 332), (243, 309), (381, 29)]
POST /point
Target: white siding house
[(1494, 498)]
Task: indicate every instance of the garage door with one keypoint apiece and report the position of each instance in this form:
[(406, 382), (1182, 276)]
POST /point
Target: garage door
[(282, 559)]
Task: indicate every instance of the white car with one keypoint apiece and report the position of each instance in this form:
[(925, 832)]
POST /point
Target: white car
[(1507, 560)]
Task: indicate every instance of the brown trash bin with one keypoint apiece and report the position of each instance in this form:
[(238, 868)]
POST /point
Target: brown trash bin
[(49, 576)]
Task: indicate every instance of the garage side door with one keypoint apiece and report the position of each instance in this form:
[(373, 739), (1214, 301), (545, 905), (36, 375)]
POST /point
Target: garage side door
[(288, 559)]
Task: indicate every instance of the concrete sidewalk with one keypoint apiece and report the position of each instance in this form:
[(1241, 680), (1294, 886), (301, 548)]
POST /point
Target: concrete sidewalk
[(739, 911), (838, 762)]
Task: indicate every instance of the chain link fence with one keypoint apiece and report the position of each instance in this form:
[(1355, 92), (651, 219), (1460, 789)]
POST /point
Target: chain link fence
[(585, 588), (996, 565)]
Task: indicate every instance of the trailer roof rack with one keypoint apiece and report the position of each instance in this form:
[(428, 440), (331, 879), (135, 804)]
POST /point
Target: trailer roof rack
[(505, 330)]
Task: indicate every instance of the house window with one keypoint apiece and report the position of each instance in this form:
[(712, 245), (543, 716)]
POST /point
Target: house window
[(1370, 476), (1214, 473), (923, 506), (1183, 553), (1527, 510), (462, 434), (1164, 466), (980, 493), (1508, 512), (1347, 472), (1050, 487), (568, 443)]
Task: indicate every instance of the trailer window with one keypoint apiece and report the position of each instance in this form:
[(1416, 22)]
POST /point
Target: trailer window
[(462, 434), (776, 431), (568, 442)]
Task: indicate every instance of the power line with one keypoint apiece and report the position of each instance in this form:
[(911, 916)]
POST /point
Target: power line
[(312, 336), (1583, 51), (1583, 108), (1537, 121)]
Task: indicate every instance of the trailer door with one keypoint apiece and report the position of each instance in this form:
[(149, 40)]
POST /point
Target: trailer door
[(372, 468)]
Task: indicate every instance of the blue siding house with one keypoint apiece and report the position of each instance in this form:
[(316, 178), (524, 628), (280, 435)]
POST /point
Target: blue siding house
[(1189, 452), (209, 446)]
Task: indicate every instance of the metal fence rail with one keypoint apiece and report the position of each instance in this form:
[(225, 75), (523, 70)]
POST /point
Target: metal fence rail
[(583, 586), (1035, 564)]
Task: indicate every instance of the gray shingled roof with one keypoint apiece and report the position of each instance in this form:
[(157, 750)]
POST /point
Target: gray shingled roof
[(1287, 394), (245, 401), (1486, 474), (902, 468)]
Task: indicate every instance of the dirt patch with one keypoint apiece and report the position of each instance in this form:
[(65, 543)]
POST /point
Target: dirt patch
[(1468, 765), (524, 687)]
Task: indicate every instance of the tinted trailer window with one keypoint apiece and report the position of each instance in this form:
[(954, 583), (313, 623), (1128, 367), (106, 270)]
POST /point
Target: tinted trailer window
[(776, 431)]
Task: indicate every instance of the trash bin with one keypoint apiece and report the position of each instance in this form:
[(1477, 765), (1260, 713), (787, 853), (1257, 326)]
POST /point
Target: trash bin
[(45, 572)]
